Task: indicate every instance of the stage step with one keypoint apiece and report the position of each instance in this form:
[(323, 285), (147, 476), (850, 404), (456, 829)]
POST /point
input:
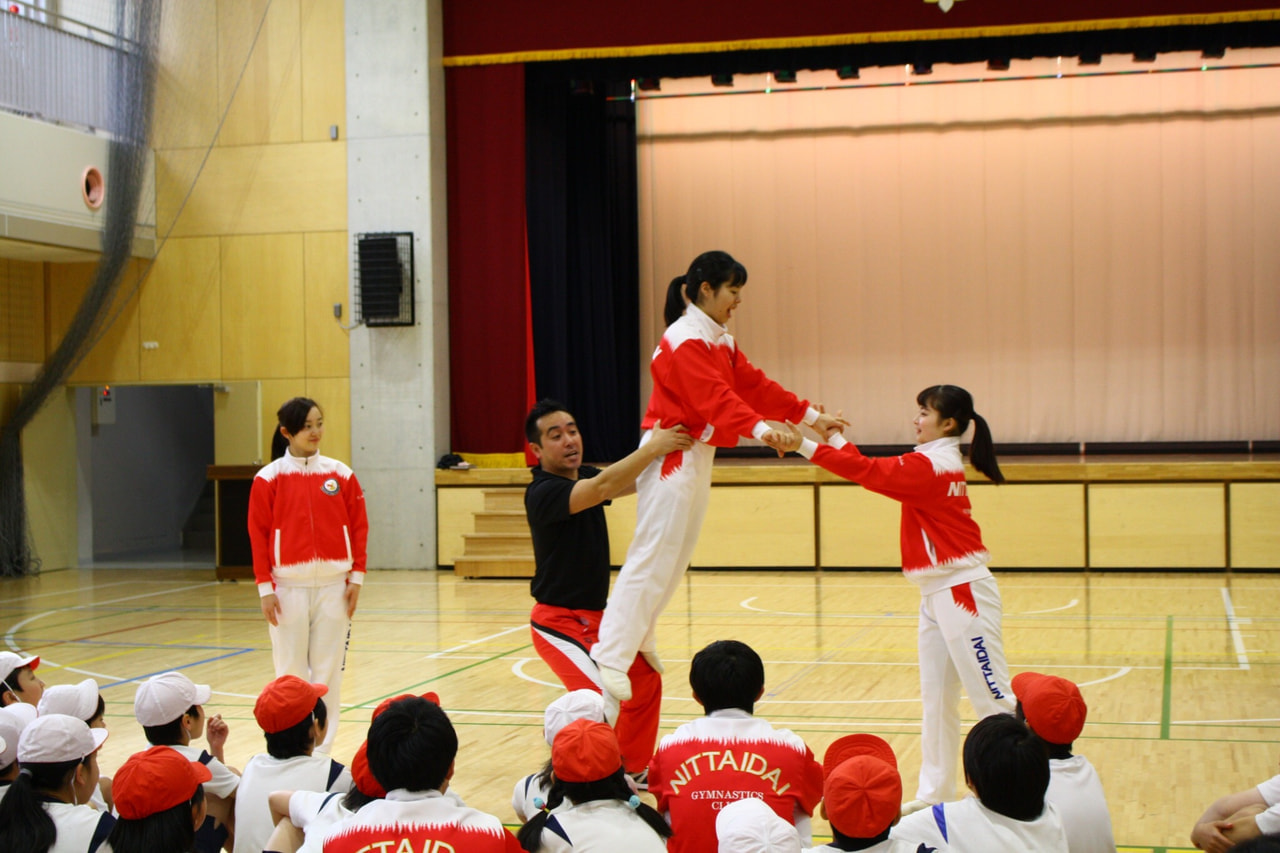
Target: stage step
[(498, 544), (468, 566), (510, 500), (501, 521)]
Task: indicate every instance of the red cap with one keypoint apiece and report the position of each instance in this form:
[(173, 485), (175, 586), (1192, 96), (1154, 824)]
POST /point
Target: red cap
[(862, 796), (363, 776), (154, 781), (1053, 706), (585, 751), (387, 703), (850, 746), (285, 702)]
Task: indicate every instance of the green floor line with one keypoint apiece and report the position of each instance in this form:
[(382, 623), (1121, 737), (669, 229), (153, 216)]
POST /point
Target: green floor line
[(373, 703), (1167, 701)]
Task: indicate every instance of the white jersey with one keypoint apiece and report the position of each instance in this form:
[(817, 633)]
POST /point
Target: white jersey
[(970, 827), (81, 829), (523, 795), (313, 813), (1269, 821), (1076, 792), (889, 845), (224, 782), (600, 826), (264, 774)]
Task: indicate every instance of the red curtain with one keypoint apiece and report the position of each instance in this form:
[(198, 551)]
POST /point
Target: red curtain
[(488, 278)]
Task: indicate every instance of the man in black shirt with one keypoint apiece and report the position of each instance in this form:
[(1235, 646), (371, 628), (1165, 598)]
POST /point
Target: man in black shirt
[(565, 505)]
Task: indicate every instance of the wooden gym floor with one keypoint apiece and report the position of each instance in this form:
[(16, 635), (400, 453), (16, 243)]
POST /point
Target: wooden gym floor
[(1179, 670)]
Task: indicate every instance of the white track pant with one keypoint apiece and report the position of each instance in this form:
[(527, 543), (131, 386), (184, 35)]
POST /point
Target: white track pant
[(957, 648), (669, 515), (311, 641)]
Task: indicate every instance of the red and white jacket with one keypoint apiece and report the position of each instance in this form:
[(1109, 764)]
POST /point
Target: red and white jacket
[(702, 380), (941, 543), (307, 523), (421, 821), (725, 756)]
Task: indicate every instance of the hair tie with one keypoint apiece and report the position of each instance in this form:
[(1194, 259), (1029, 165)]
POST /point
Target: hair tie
[(540, 804), (634, 802), (25, 771)]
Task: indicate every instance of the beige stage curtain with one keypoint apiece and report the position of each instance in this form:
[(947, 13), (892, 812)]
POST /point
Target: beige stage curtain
[(1096, 258)]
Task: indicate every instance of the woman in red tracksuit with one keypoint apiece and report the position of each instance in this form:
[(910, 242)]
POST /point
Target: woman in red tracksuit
[(308, 529), (702, 380), (960, 639)]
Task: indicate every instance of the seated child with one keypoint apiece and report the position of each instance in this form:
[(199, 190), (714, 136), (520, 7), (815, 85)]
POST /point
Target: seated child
[(861, 795), (1239, 817), (1007, 769), (13, 720), (749, 826), (43, 809), (18, 680), (412, 747), (590, 805), (1054, 709), (84, 702), (574, 705), (293, 719), (171, 710), (729, 754), (160, 797)]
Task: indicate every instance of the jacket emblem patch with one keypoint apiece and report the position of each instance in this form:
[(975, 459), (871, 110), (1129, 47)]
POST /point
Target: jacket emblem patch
[(330, 486)]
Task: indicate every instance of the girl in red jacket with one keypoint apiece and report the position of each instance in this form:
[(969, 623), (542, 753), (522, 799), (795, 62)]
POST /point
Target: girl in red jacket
[(702, 380), (308, 529), (960, 640)]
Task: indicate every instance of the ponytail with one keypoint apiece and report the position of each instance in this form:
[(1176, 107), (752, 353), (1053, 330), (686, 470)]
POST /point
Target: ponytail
[(25, 826), (530, 835), (951, 401), (673, 308), (610, 788)]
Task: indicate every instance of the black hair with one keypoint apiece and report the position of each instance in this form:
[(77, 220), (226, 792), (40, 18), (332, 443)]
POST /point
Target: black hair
[(293, 417), (613, 787), (412, 745), (727, 674), (170, 733), (716, 269), (847, 842), (1007, 766), (1258, 844), (355, 799), (296, 740), (673, 307), (170, 831), (12, 686), (25, 826), (101, 710), (540, 409), (951, 401)]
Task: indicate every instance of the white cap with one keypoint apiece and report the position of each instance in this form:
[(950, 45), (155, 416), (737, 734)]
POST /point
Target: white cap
[(165, 697), (13, 719), (9, 662), (74, 700), (574, 705), (57, 738), (750, 826)]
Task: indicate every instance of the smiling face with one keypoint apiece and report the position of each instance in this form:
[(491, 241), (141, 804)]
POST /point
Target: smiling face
[(930, 425), (559, 449), (306, 441), (719, 304)]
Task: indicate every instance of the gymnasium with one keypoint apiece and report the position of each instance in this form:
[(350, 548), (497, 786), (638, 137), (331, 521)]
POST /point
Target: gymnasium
[(426, 216)]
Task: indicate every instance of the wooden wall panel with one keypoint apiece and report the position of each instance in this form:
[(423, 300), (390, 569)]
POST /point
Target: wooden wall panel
[(1031, 526), (1255, 525), (22, 318), (1157, 526), (114, 358), (273, 393), (264, 189), (239, 437), (181, 311), (334, 397), (621, 515), (455, 515), (859, 528), (186, 106), (262, 303), (177, 170), (757, 526), (324, 83), (49, 478), (266, 106), (328, 346)]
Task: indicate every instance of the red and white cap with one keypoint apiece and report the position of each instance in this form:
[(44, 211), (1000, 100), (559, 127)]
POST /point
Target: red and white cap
[(165, 697), (750, 826), (586, 751), (861, 789), (10, 661), (58, 738), (155, 781), (285, 702), (574, 705), (74, 700), (13, 719)]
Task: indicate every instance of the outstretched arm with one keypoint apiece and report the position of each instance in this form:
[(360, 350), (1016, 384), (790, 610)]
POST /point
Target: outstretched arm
[(620, 477)]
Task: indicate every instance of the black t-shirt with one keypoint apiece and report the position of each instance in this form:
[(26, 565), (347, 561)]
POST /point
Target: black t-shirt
[(571, 552)]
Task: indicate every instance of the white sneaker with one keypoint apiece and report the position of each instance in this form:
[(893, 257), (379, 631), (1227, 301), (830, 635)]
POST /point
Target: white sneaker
[(654, 661), (914, 806), (616, 682)]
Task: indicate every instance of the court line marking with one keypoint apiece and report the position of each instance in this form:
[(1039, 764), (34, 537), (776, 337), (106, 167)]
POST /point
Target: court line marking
[(1124, 670), (517, 669), (1070, 604), (452, 649), (1233, 625)]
